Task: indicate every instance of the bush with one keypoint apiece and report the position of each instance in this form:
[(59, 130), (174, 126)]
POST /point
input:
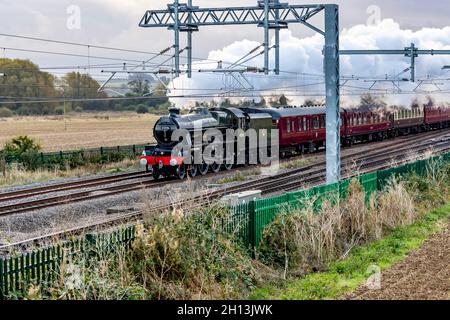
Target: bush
[(306, 240), (79, 109), (5, 112), (20, 145), (59, 111), (141, 109), (174, 256)]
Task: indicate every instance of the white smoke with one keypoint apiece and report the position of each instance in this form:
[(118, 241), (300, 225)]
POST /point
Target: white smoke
[(302, 65)]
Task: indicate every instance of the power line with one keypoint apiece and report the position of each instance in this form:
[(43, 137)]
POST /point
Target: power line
[(70, 54), (96, 46)]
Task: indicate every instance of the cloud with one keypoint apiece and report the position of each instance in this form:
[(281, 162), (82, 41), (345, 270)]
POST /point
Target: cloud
[(304, 58)]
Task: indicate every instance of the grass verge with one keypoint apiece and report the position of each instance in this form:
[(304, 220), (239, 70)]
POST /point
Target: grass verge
[(346, 275), (18, 176)]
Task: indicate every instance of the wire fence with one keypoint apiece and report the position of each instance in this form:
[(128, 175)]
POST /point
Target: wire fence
[(74, 158)]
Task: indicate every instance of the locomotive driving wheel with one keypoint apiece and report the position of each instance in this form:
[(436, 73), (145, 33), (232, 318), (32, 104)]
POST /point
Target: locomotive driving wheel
[(203, 168), (192, 170), (215, 167), (156, 174), (227, 166), (180, 172)]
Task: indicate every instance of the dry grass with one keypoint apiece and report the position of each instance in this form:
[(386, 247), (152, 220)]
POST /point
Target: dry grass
[(303, 241), (83, 131), (17, 176)]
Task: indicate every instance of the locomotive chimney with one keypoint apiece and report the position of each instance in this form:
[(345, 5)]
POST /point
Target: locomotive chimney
[(174, 112)]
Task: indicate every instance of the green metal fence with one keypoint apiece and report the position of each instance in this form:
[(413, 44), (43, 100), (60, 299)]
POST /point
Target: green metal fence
[(94, 155), (256, 215), (42, 266)]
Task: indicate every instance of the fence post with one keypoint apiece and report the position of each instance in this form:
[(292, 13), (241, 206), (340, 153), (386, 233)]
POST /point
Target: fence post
[(252, 225), (1, 278), (134, 149), (101, 151)]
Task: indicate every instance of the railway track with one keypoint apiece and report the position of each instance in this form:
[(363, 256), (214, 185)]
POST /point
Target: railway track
[(287, 181), (147, 182)]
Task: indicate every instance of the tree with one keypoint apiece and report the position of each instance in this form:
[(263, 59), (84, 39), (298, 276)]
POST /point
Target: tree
[(24, 79), (139, 84), (81, 86), (312, 102), (279, 100), (369, 102)]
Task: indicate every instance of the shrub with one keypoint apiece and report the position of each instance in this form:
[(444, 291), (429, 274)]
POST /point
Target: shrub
[(141, 109), (305, 240), (59, 111), (75, 160), (20, 145), (174, 256), (79, 109), (5, 112)]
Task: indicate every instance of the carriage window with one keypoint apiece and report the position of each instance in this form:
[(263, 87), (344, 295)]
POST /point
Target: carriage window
[(300, 124), (293, 125), (323, 123), (365, 119), (316, 123), (288, 125), (359, 119), (305, 125)]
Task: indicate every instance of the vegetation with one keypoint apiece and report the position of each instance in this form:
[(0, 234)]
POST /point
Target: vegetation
[(371, 103), (343, 276), (237, 177), (25, 79), (17, 175), (19, 146), (302, 241), (22, 154), (5, 112), (343, 244), (174, 257), (303, 255)]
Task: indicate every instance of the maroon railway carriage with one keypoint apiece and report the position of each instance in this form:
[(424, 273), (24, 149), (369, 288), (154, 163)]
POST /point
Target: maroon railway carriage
[(436, 117), (408, 121), (303, 129), (365, 126)]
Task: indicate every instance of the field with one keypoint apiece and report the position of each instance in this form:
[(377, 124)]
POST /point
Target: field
[(54, 133)]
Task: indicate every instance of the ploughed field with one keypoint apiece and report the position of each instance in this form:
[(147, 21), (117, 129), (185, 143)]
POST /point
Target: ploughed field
[(422, 275), (83, 130)]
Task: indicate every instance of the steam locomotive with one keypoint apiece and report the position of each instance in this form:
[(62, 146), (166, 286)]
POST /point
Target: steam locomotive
[(300, 129)]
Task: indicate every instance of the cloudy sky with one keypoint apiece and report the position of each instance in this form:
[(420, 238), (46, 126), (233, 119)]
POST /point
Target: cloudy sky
[(115, 23)]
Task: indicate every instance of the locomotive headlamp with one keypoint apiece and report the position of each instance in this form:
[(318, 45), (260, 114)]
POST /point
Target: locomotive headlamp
[(173, 162), (143, 162)]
